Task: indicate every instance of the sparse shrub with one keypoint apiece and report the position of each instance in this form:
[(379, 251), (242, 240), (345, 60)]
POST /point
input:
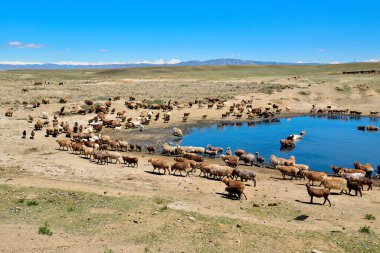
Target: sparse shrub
[(365, 230), (45, 230), (21, 201), (71, 209), (32, 203), (164, 208), (369, 216), (107, 250)]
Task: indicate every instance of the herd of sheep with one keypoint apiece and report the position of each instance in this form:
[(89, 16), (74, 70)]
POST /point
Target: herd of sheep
[(89, 142)]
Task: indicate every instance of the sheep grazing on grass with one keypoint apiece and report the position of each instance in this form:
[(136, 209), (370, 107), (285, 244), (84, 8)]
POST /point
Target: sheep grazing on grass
[(63, 143), (234, 188), (354, 185), (288, 171), (318, 193), (244, 175), (313, 176), (366, 167), (335, 183), (274, 161), (181, 167), (248, 159), (130, 161), (159, 164)]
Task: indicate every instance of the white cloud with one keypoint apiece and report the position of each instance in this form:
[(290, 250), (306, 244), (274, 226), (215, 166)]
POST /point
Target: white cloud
[(300, 62), (19, 63), (103, 50), (19, 44), (373, 60), (322, 50), (160, 61), (86, 63), (334, 62), (81, 63)]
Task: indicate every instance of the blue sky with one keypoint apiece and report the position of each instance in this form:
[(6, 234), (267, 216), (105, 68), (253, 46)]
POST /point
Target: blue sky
[(171, 30)]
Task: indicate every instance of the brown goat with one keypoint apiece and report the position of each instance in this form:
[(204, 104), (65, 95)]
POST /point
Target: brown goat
[(319, 193)]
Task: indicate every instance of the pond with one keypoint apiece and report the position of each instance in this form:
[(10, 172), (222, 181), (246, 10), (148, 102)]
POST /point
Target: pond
[(328, 141)]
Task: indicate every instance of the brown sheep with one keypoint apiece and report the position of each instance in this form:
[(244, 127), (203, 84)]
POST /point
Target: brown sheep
[(234, 188), (159, 164), (319, 193), (65, 143), (239, 152), (354, 185), (130, 161), (366, 167), (181, 166), (313, 176), (288, 171), (151, 149)]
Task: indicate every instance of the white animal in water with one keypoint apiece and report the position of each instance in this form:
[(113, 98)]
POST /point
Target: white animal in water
[(296, 137)]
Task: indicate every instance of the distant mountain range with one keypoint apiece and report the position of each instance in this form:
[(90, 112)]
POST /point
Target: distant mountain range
[(214, 62)]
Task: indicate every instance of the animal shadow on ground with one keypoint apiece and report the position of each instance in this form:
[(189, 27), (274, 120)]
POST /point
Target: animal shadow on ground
[(226, 196), (154, 173), (308, 202)]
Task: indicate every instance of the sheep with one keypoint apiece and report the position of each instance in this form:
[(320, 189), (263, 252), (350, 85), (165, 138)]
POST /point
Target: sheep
[(354, 185), (123, 145), (234, 188), (287, 143), (352, 171), (364, 181), (350, 175), (100, 157), (245, 175), (159, 164), (313, 176), (220, 150), (259, 159), (167, 149), (232, 163), (301, 167), (335, 183), (219, 171), (372, 128), (76, 147), (282, 161), (181, 166), (114, 155), (336, 169), (114, 145), (205, 168), (229, 157), (193, 164), (248, 158), (64, 143), (199, 150), (211, 153), (130, 161), (177, 132), (319, 193), (87, 151), (151, 149), (288, 171), (239, 152), (366, 167), (193, 157)]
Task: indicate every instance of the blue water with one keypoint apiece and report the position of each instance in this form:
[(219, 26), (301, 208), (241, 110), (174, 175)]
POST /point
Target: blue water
[(329, 141)]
